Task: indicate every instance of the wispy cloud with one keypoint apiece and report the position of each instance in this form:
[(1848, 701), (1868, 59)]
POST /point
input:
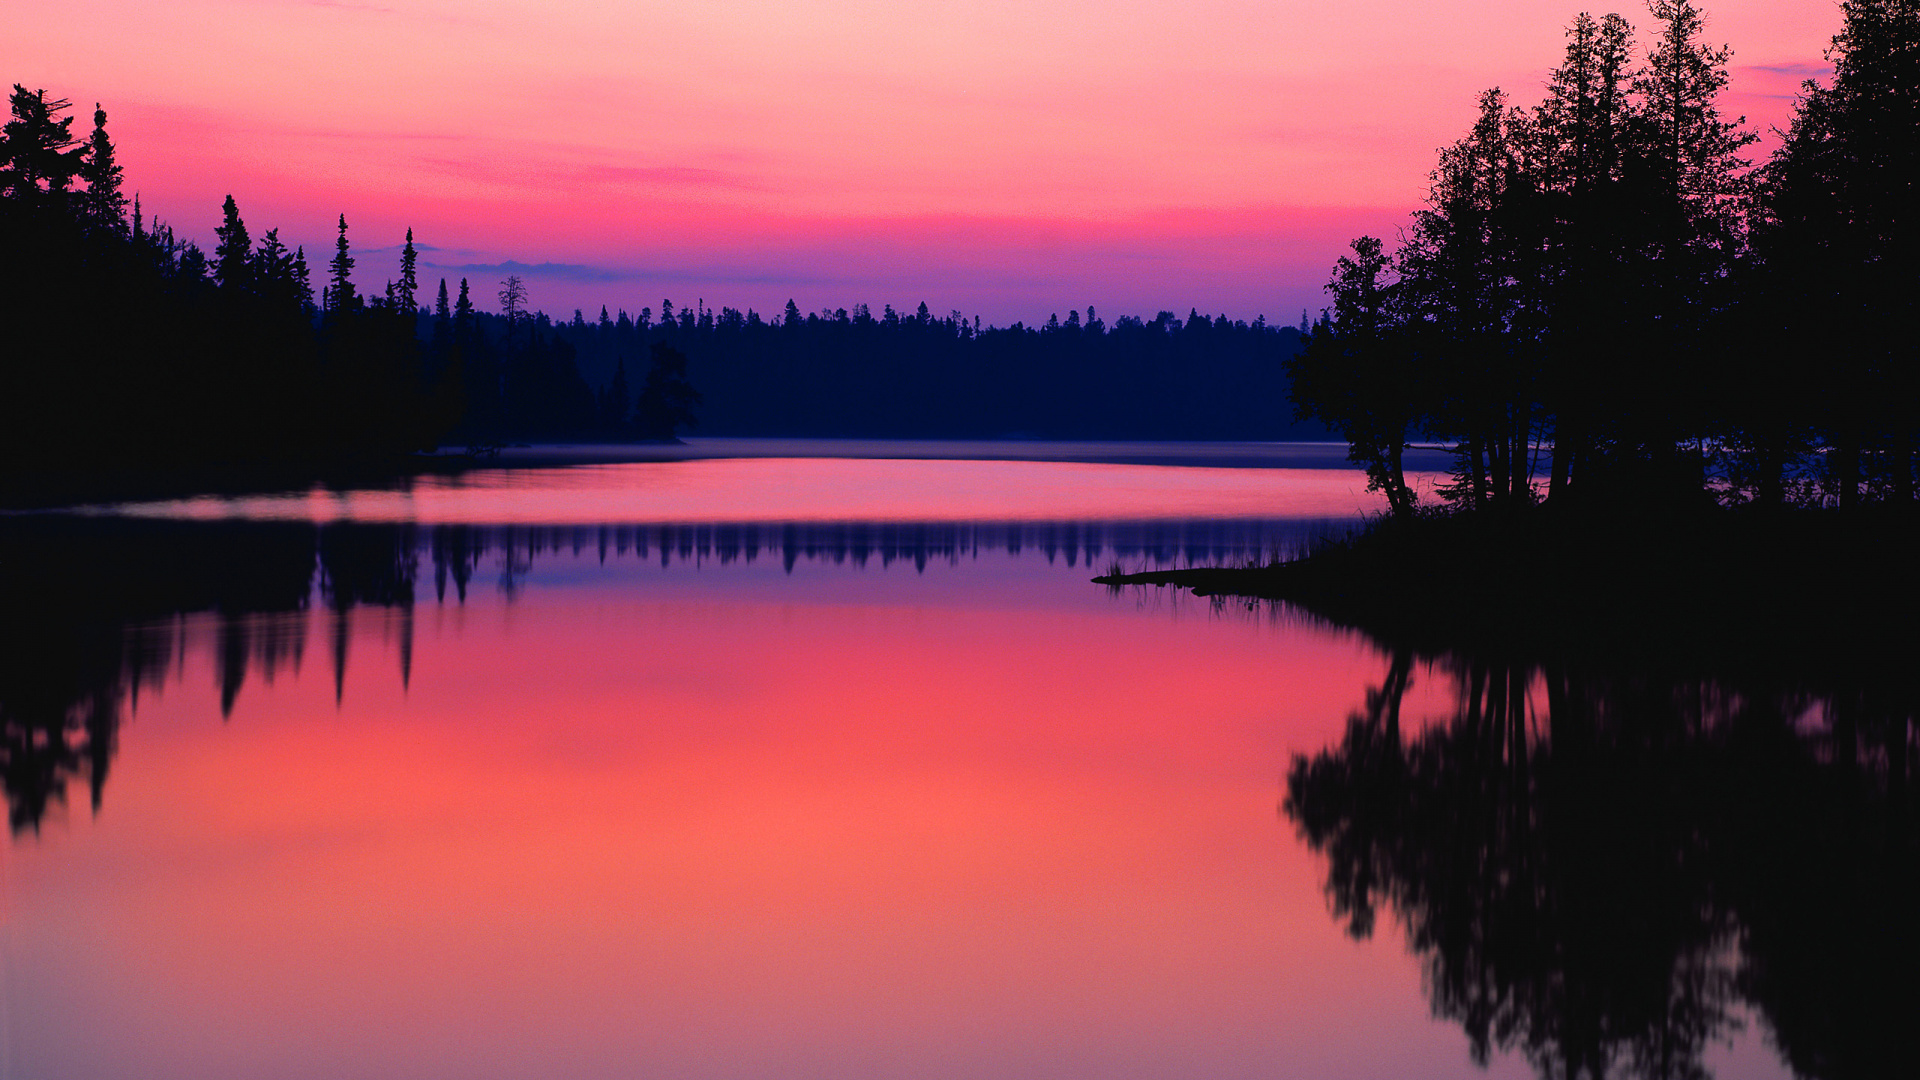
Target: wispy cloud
[(564, 271), (678, 274), (1794, 70), (533, 171)]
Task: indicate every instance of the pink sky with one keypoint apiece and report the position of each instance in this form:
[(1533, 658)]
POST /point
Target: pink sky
[(1007, 159)]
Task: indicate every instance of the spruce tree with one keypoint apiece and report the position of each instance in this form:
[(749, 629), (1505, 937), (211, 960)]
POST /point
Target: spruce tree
[(105, 205), (302, 279), (1839, 227), (463, 314), (405, 290), (234, 252), (341, 296)]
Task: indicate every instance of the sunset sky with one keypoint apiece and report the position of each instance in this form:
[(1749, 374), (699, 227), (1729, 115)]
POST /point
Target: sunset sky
[(1004, 159)]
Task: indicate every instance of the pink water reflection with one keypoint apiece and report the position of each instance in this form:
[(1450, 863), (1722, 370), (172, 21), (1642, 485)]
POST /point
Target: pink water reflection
[(815, 489), (679, 824)]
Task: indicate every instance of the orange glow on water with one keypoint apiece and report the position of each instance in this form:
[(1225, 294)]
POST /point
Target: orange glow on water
[(654, 828)]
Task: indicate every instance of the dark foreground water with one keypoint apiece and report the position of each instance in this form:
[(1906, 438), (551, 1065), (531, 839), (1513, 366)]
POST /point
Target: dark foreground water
[(840, 768)]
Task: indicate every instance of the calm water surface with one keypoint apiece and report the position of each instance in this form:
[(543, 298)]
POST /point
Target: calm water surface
[(716, 768)]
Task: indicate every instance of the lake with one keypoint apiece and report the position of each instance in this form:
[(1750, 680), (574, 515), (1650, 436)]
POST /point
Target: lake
[(740, 765)]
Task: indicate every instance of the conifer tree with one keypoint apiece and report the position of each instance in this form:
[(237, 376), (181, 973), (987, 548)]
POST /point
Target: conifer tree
[(1583, 129), (234, 252), (105, 206), (302, 279), (1693, 153), (271, 270), (1838, 230), (463, 313), (341, 296), (405, 290), (36, 155)]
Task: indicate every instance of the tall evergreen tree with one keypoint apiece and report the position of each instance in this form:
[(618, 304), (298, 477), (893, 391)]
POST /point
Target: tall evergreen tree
[(1583, 128), (442, 316), (1691, 188), (1357, 375), (1838, 232), (302, 278), (105, 205), (407, 288), (233, 254), (463, 312), (341, 295)]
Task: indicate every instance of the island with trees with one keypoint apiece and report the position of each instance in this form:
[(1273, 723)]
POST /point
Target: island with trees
[(1680, 389)]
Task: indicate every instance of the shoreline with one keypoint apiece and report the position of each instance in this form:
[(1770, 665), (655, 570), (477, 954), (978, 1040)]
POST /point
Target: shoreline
[(1807, 591), (56, 490)]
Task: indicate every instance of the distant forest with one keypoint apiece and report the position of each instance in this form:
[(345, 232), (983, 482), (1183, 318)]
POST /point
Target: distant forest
[(1604, 299), (145, 353)]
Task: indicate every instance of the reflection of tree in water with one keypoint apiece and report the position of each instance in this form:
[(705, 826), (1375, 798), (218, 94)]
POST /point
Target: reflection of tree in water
[(1600, 870), (98, 607), (93, 618)]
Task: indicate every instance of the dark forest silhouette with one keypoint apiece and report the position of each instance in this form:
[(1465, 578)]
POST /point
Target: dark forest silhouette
[(917, 374), (1603, 299), (140, 353)]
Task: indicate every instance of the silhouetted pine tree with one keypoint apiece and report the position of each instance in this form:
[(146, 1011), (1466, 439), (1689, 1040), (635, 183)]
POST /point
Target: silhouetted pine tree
[(105, 206), (341, 295), (232, 255), (1837, 233)]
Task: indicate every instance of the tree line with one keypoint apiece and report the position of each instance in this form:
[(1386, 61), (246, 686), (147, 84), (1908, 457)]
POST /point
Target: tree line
[(1605, 299), (891, 373), (137, 351)]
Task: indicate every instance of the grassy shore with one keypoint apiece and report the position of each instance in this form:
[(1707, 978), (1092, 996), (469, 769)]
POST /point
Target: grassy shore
[(1731, 586)]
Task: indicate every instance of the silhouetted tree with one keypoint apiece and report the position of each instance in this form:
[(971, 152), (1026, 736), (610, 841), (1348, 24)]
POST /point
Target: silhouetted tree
[(105, 205), (341, 295), (1357, 374), (37, 154), (406, 290), (1837, 235), (232, 256)]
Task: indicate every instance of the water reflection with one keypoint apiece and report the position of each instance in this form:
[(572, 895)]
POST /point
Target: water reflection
[(1605, 870), (99, 605)]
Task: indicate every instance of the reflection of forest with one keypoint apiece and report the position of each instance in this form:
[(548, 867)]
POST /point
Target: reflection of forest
[(98, 607), (1604, 871)]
